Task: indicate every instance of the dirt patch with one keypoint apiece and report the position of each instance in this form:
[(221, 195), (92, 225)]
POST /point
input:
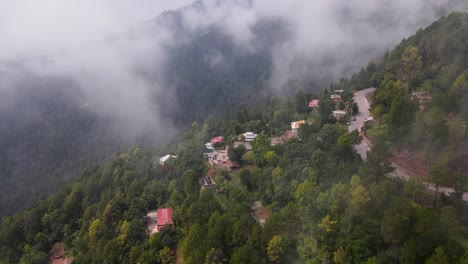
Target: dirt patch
[(461, 164), (410, 163), (259, 212), (288, 134), (57, 254)]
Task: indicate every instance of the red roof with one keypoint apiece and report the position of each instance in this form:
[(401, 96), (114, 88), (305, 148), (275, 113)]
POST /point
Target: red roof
[(314, 103), (217, 140), (164, 217)]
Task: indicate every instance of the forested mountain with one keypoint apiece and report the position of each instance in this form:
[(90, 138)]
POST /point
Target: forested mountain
[(47, 138), (325, 203), (421, 104), (207, 73)]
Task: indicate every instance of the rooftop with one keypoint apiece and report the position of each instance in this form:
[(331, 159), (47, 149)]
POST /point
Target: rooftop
[(208, 181), (314, 103), (339, 112), (297, 124), (164, 217), (217, 140), (163, 160)]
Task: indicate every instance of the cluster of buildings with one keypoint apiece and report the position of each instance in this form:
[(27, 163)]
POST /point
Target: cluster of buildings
[(288, 134)]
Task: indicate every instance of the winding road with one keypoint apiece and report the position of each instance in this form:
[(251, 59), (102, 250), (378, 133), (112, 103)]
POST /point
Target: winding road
[(363, 104), (364, 146)]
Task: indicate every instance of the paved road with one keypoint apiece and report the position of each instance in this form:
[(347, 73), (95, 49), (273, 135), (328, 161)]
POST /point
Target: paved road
[(363, 104), (363, 147)]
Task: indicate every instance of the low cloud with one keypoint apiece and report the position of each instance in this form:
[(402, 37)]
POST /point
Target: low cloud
[(95, 44), (328, 38), (92, 44)]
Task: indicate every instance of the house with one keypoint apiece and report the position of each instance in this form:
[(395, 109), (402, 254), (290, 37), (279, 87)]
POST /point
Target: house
[(336, 97), (339, 91), (217, 140), (208, 182), (339, 114), (424, 98), (230, 165), (295, 125), (247, 145), (164, 218), (163, 160), (209, 147), (249, 136), (218, 157), (314, 103)]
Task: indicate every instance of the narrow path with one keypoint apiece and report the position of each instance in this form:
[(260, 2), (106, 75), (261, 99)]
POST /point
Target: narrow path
[(364, 146)]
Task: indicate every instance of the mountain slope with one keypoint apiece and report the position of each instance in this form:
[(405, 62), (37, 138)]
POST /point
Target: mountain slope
[(207, 73)]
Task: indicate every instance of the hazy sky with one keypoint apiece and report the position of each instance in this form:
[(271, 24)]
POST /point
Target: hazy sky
[(32, 26)]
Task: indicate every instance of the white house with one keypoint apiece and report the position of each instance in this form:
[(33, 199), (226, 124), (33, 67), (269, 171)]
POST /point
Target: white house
[(338, 114), (209, 147), (163, 160), (336, 97), (250, 136)]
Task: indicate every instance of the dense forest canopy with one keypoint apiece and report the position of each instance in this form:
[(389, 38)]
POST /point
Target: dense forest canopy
[(326, 204)]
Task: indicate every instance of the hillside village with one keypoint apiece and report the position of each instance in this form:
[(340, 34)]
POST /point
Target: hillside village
[(308, 178), (228, 157), (217, 149)]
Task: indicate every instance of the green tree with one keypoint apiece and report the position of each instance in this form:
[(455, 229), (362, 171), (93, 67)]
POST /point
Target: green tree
[(34, 257), (275, 249), (339, 256), (247, 180), (412, 64), (270, 156), (215, 256), (360, 199), (439, 257), (401, 115), (378, 162), (415, 188), (261, 145), (193, 247), (235, 153), (165, 256), (441, 176)]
